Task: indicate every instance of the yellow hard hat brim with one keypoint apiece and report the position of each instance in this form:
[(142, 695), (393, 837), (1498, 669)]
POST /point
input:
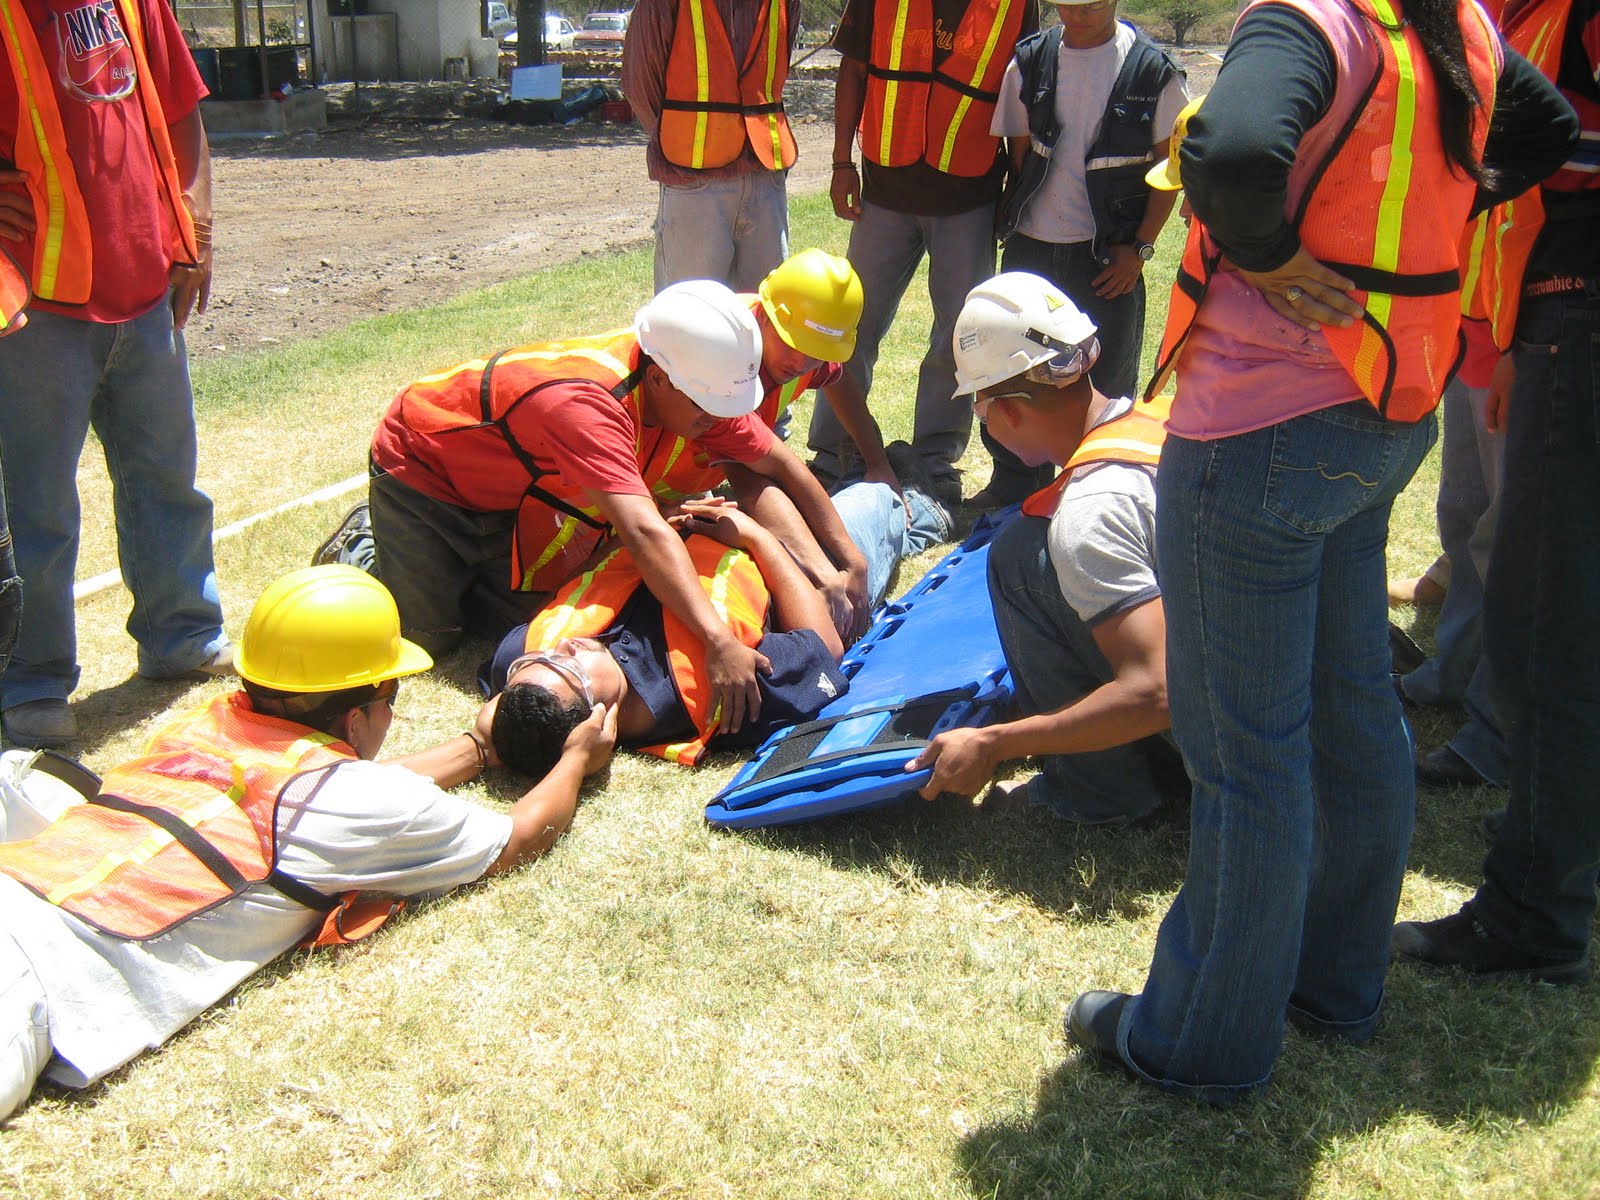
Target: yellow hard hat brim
[(412, 660), (1164, 176)]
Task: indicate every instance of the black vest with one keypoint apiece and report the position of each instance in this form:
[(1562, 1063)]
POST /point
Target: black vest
[(1115, 166)]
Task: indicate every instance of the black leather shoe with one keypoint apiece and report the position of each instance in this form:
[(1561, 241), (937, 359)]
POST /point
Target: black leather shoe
[(1092, 1021), (1460, 941), (1445, 768)]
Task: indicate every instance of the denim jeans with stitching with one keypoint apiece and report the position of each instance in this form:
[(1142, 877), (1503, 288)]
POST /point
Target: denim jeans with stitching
[(874, 516), (130, 382), (10, 584), (1271, 553), (1541, 637)]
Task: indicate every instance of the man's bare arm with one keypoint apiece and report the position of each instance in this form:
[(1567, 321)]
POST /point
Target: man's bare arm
[(670, 575), (1132, 705)]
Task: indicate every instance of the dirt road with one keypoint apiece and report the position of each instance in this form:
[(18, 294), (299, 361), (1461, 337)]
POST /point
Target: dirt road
[(406, 205), (390, 212)]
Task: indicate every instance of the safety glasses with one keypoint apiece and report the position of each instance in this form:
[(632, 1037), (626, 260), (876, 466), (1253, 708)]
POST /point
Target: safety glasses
[(564, 665), (981, 403)]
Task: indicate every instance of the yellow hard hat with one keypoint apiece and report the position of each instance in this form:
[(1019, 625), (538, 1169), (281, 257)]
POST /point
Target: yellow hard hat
[(813, 300), (1164, 175), (324, 629)]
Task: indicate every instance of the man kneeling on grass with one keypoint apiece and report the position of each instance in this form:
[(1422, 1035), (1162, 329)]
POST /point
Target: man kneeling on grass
[(606, 639), (1073, 580), (247, 829)]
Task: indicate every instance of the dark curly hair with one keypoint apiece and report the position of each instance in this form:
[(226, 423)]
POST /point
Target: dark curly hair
[(530, 727)]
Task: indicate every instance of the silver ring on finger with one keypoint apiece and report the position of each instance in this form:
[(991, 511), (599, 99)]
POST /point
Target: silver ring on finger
[(1293, 293)]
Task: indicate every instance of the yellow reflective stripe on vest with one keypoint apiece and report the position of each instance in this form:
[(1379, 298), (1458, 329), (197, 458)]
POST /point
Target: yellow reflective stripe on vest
[(891, 87), (773, 50), (1391, 208), (787, 393), (157, 841), (1469, 282), (569, 528), (979, 69), (55, 218), (555, 621), (702, 81)]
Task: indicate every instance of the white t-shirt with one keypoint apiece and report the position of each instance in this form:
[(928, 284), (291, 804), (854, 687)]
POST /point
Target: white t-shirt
[(1059, 211), (1103, 536), (370, 827)]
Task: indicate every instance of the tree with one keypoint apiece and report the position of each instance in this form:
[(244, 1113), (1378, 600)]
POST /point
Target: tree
[(1184, 15), (530, 33)]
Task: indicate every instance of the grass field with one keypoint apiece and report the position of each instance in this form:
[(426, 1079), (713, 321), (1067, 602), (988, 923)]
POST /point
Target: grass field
[(869, 1007)]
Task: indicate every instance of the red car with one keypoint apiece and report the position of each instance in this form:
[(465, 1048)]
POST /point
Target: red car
[(602, 31)]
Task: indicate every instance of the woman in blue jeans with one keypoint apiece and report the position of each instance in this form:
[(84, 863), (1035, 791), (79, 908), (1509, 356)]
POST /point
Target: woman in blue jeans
[(1315, 317)]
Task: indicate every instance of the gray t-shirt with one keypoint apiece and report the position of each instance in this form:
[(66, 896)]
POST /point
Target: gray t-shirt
[(1103, 536)]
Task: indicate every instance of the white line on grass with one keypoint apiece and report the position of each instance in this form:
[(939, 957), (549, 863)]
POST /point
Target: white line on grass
[(89, 587)]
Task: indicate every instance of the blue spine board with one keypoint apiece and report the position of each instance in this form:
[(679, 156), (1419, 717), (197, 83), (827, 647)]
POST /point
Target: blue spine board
[(937, 648)]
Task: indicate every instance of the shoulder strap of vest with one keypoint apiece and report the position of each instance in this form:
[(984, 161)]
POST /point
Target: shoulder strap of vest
[(181, 832), (1038, 56), (520, 452)]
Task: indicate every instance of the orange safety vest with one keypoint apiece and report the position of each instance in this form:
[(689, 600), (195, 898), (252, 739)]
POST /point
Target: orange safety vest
[(689, 470), (590, 603), (63, 262), (1135, 437), (469, 419), (1395, 235), (914, 111), (713, 106), (186, 827), (1499, 241), (14, 291)]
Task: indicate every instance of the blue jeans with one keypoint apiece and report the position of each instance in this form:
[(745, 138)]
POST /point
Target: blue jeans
[(1119, 324), (1541, 636), (875, 518), (1271, 553), (1055, 661), (10, 585), (885, 249), (1468, 508), (131, 382)]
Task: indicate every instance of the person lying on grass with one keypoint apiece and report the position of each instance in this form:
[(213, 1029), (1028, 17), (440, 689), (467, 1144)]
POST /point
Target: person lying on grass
[(606, 639), (234, 837)]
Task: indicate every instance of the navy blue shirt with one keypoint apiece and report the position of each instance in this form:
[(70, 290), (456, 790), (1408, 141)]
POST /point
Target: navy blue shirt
[(804, 676)]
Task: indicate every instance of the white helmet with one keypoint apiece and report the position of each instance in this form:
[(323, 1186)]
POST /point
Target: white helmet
[(1016, 321), (707, 341)]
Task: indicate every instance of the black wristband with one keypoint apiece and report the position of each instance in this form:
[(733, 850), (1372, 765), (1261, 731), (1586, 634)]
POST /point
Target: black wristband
[(844, 164)]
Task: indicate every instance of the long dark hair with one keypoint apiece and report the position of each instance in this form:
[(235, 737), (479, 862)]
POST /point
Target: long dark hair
[(1460, 106)]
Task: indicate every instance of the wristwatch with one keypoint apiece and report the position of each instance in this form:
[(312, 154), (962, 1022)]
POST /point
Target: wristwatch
[(1145, 250)]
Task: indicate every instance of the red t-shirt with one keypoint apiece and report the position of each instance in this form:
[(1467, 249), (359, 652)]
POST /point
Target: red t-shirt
[(87, 53), (572, 428)]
